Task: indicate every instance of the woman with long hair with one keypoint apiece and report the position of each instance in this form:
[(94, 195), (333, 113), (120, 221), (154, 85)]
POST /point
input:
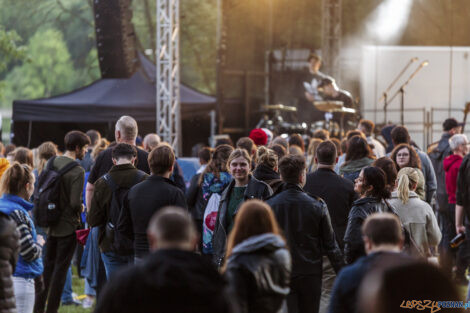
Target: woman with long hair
[(242, 187), (213, 180), (297, 140), (388, 166), (267, 167), (415, 214), (46, 151), (373, 193), (358, 156), (258, 262), (405, 156), (24, 156), (312, 151), (17, 186)]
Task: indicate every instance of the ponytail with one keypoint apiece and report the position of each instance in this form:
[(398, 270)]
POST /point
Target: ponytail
[(15, 178), (403, 188), (407, 177)]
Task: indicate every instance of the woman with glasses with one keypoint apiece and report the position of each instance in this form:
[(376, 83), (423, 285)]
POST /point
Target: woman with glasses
[(405, 156)]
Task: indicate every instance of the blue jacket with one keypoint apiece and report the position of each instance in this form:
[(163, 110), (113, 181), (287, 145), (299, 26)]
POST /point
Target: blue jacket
[(9, 204), (344, 296)]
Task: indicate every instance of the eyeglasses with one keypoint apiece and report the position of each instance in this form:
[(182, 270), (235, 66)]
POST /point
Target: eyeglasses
[(403, 155)]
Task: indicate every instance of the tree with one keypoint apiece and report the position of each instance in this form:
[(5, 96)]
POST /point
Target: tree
[(50, 71)]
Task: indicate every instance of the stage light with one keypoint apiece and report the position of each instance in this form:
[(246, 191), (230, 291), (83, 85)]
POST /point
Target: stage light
[(388, 20)]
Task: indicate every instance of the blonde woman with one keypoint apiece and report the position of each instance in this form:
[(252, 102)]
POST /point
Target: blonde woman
[(415, 214), (312, 151), (242, 187), (267, 167)]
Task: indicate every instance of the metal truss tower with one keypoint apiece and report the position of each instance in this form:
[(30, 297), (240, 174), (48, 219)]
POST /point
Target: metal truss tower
[(168, 74), (331, 37)]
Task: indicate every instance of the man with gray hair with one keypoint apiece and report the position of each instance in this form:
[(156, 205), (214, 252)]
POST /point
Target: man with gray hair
[(170, 272), (458, 144), (125, 132), (151, 141)]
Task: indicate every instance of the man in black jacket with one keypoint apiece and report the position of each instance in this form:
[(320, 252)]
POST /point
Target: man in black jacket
[(170, 279), (149, 196), (339, 195), (109, 192), (438, 152), (306, 224)]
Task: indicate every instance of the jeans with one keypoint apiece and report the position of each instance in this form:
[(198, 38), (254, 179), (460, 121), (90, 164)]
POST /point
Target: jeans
[(447, 226), (113, 262), (67, 292), (59, 253), (24, 294), (328, 281), (304, 296)]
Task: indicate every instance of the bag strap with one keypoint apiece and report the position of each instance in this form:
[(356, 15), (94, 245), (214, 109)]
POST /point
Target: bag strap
[(50, 163), (67, 168), (107, 178)]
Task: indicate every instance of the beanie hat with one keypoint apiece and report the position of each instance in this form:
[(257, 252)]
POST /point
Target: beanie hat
[(259, 137), (269, 134)]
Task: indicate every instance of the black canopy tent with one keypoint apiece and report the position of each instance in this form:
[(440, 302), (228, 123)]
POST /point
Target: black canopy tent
[(98, 106)]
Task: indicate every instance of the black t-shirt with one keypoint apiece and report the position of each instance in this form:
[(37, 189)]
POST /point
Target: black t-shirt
[(104, 162)]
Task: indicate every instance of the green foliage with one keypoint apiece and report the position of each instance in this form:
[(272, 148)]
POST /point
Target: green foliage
[(10, 50), (60, 55), (49, 72)]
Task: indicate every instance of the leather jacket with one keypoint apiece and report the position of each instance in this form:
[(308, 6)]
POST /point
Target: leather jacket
[(362, 208), (9, 250), (255, 190), (306, 224), (258, 272)]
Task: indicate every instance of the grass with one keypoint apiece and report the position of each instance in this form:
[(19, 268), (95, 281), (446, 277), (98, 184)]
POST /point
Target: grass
[(78, 286)]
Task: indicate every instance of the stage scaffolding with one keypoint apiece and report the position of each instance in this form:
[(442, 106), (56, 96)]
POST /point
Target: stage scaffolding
[(331, 37), (168, 105)]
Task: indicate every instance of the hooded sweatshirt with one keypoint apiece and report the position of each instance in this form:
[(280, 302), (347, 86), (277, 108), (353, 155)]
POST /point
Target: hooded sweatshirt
[(29, 261), (451, 168)]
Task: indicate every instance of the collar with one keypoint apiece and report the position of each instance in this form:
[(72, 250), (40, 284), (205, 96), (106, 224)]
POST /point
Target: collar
[(161, 179), (325, 169), (28, 206), (122, 167), (365, 200)]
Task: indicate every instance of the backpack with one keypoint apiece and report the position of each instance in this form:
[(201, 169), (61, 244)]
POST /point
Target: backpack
[(118, 244), (208, 223), (46, 197)]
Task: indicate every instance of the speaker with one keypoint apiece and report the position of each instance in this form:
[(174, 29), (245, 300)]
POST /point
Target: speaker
[(115, 38)]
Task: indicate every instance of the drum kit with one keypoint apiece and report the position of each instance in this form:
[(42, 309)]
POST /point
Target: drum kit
[(273, 120)]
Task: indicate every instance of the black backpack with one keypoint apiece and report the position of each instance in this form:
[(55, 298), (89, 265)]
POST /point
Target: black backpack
[(46, 197), (119, 243)]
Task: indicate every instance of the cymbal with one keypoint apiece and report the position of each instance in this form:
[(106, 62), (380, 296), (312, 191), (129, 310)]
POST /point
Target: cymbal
[(328, 106), (279, 107)]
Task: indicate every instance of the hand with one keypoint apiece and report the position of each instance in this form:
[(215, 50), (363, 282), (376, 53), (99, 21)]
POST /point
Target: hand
[(40, 240), (459, 229), (309, 96)]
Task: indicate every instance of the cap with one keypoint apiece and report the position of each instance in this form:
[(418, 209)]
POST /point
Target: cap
[(259, 137), (450, 123)]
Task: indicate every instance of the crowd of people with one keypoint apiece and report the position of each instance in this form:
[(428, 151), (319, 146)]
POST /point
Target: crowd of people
[(269, 224)]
